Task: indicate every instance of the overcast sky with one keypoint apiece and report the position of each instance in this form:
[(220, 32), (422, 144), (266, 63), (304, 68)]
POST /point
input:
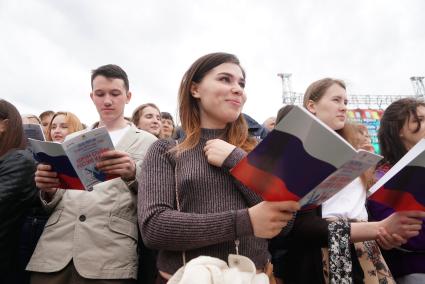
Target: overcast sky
[(48, 48)]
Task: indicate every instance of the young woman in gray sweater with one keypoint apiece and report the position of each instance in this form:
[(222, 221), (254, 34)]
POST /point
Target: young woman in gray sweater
[(214, 215)]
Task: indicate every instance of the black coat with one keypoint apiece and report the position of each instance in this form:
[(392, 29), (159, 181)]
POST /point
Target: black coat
[(297, 257), (17, 194)]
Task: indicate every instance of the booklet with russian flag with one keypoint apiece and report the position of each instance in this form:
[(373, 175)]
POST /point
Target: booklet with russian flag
[(303, 160), (75, 159), (403, 186)]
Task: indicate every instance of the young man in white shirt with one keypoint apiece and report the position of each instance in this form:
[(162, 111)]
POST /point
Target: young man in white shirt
[(91, 235)]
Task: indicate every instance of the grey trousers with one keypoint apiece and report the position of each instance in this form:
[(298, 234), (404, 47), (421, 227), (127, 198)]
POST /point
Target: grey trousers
[(69, 275)]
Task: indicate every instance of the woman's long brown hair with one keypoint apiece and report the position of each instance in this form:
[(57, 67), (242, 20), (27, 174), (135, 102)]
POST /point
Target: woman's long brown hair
[(236, 132), (13, 136)]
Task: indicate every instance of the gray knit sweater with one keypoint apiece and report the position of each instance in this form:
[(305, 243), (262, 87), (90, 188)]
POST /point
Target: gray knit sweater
[(214, 206)]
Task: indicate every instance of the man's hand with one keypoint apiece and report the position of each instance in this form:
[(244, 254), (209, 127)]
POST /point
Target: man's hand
[(116, 162), (46, 179)]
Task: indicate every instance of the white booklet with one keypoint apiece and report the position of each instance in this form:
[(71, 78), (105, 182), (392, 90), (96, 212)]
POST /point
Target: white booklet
[(302, 159), (75, 159)]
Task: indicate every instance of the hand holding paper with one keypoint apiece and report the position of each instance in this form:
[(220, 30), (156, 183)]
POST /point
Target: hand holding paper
[(118, 163), (74, 160), (268, 218), (302, 159), (46, 180)]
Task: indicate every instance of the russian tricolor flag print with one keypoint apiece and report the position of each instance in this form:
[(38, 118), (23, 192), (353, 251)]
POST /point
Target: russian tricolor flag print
[(403, 186), (66, 173), (52, 154), (296, 157), (281, 169)]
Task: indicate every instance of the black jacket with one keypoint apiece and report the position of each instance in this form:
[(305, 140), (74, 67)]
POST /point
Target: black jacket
[(297, 257), (17, 194)]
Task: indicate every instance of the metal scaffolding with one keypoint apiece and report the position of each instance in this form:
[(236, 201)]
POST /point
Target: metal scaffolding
[(368, 101), (418, 87)]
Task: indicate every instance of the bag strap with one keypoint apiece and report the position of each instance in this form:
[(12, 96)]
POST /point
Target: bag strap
[(177, 197)]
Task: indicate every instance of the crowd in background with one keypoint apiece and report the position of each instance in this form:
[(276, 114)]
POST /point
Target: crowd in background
[(174, 199)]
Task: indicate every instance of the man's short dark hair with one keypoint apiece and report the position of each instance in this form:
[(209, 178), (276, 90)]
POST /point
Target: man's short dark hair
[(111, 71), (46, 113)]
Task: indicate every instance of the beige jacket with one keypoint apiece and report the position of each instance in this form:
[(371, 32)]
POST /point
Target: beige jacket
[(96, 229)]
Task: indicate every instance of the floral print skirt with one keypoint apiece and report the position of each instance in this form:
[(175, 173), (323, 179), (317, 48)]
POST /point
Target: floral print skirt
[(337, 264)]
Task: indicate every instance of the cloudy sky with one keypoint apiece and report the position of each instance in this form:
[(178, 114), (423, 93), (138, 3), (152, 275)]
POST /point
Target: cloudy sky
[(48, 48)]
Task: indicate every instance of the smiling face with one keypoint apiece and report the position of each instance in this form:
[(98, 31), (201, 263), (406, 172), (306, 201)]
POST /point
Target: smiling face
[(410, 134), (59, 128), (150, 120), (220, 95), (331, 108)]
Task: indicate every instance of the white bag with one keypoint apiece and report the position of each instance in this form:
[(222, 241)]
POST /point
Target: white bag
[(211, 270)]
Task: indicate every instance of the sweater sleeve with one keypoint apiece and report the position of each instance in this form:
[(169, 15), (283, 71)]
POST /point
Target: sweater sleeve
[(231, 161), (235, 156), (162, 226), (49, 205)]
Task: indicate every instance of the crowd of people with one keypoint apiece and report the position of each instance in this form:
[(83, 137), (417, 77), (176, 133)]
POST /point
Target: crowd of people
[(174, 199)]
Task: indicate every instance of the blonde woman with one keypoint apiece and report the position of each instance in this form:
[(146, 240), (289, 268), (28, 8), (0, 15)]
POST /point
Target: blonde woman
[(62, 124)]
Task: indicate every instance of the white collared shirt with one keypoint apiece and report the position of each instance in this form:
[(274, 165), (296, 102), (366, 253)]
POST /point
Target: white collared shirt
[(349, 203)]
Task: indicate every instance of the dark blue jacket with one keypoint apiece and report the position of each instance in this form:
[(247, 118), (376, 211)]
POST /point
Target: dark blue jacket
[(254, 128)]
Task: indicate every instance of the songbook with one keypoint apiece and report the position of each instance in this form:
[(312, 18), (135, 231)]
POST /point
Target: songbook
[(303, 160), (75, 159), (403, 186)]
